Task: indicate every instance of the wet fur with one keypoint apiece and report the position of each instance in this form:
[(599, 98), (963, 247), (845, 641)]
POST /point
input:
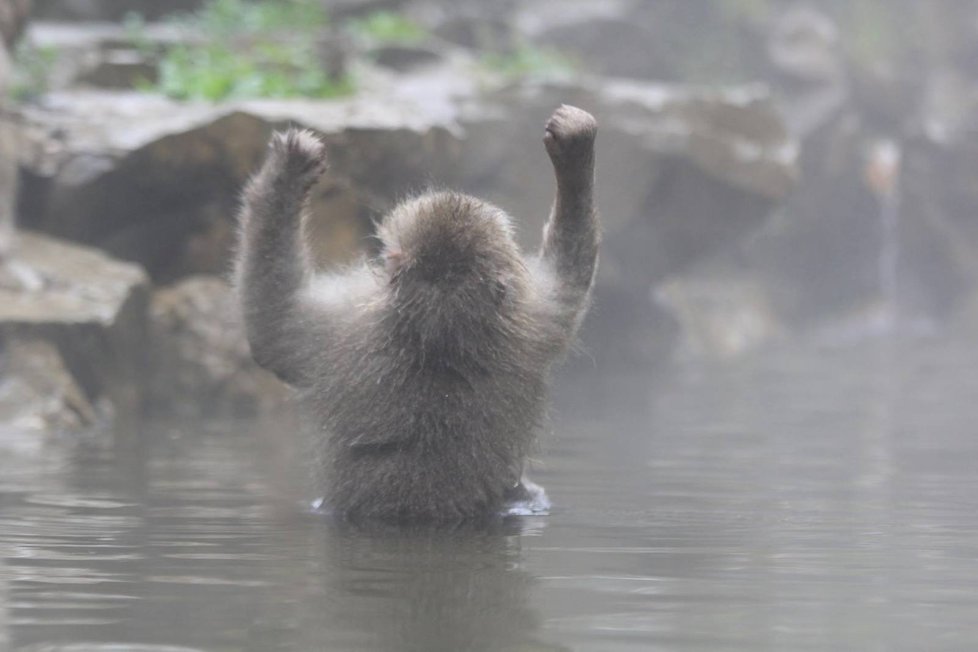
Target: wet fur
[(427, 367)]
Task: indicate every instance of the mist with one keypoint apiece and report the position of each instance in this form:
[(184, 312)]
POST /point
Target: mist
[(762, 440)]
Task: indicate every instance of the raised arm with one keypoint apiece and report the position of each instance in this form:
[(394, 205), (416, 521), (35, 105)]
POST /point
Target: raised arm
[(273, 270), (570, 239)]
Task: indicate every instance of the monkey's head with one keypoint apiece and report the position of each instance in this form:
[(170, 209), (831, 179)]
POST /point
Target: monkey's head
[(452, 248)]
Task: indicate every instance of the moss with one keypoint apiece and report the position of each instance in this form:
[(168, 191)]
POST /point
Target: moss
[(251, 50), (33, 68), (530, 61), (388, 27)]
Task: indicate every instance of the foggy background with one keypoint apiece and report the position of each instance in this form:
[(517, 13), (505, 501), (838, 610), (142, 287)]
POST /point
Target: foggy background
[(763, 441)]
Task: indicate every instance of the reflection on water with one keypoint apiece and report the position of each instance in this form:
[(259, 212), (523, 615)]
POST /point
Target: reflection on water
[(801, 499)]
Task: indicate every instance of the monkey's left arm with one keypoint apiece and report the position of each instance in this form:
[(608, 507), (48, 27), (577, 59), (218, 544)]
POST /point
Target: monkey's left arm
[(272, 264), (570, 242)]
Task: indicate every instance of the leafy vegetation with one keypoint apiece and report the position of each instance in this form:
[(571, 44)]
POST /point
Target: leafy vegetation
[(251, 49), (530, 61), (388, 27), (33, 68)]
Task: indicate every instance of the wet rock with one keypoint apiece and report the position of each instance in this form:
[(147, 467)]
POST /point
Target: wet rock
[(13, 17), (682, 174), (715, 164), (402, 58), (666, 40), (109, 10), (470, 27), (104, 55), (156, 182), (201, 363), (122, 69), (937, 235), (719, 314), (149, 200), (8, 190), (92, 308), (804, 47), (849, 229), (38, 393)]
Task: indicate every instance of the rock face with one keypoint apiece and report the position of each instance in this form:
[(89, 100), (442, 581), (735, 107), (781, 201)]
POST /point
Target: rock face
[(38, 393), (719, 315), (665, 40), (200, 361), (13, 16), (109, 10), (158, 184), (681, 175), (92, 309), (8, 191)]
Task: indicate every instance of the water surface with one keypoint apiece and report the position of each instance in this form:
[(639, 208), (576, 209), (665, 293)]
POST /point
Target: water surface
[(799, 499)]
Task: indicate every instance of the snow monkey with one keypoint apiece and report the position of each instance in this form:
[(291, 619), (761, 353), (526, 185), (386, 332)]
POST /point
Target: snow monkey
[(426, 366)]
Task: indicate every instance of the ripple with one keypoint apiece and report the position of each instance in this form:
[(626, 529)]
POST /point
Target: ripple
[(105, 647)]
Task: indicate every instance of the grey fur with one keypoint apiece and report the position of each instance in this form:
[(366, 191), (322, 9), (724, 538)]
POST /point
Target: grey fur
[(427, 367)]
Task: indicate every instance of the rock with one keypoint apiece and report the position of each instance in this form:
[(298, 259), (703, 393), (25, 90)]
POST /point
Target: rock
[(201, 364), (715, 164), (682, 174), (804, 47), (122, 69), (93, 309), (8, 189), (719, 314), (402, 58), (471, 28), (13, 19), (38, 393), (157, 182), (937, 236), (666, 40), (109, 10)]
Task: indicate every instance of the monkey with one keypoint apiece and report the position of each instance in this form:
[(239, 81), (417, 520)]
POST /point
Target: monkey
[(427, 365)]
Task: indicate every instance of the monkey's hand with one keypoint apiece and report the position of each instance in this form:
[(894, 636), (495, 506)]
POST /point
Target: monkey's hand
[(296, 161), (569, 140)]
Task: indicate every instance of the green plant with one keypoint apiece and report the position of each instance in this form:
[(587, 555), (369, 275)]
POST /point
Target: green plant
[(235, 17), (750, 10), (388, 27), (530, 61), (33, 68), (245, 49)]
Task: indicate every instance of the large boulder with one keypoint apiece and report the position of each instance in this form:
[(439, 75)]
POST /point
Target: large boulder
[(200, 361), (156, 182), (92, 309), (37, 392), (109, 10), (682, 175), (665, 40), (13, 17)]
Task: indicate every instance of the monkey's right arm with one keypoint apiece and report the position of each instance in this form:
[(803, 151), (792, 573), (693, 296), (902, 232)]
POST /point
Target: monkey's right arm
[(272, 267), (570, 240)]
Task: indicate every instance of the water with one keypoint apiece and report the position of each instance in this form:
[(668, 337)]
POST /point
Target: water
[(887, 165), (802, 499)]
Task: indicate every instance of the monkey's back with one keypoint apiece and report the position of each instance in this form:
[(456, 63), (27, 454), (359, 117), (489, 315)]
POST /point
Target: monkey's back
[(417, 434)]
